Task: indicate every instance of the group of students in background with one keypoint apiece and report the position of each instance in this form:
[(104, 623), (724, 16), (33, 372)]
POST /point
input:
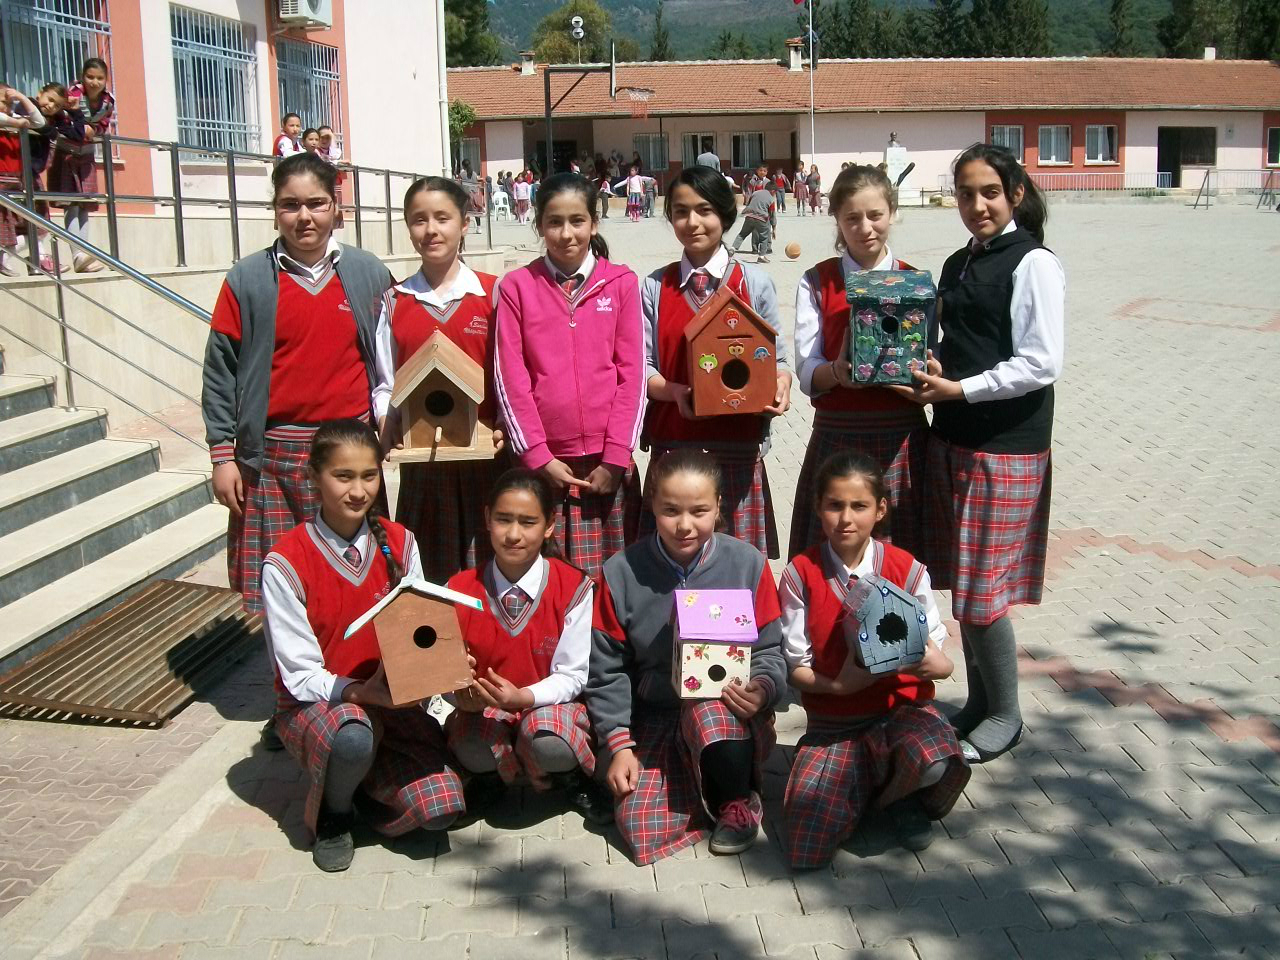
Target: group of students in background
[(62, 126), (576, 558), (292, 139)]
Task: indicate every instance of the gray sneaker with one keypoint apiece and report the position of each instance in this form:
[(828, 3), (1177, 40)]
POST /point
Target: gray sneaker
[(737, 826), (334, 848)]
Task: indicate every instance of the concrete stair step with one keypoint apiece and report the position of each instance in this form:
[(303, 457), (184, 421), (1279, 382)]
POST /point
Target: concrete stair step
[(32, 437), (42, 552), (20, 395), (46, 615), (39, 490)]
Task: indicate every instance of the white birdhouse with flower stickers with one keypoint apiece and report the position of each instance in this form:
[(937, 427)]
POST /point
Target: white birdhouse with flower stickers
[(713, 632), (732, 361)]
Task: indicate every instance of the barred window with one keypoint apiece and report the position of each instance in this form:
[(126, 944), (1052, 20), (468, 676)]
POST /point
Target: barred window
[(215, 77), (310, 83), (694, 145), (469, 150), (748, 150), (1010, 136), (653, 151), (1055, 143)]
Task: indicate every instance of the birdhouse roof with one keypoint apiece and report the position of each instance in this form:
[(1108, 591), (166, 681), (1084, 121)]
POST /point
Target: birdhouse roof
[(439, 353), (716, 616), (421, 587), (721, 300)]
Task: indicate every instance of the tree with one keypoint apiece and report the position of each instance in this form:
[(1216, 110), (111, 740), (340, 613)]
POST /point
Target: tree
[(988, 31), (948, 28), (721, 47), (468, 40), (553, 44), (1028, 29), (461, 116), (660, 47), (1260, 36), (1192, 25), (1122, 43), (742, 49)]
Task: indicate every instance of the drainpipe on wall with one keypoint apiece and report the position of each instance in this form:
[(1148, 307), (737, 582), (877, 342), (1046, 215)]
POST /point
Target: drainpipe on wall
[(445, 151)]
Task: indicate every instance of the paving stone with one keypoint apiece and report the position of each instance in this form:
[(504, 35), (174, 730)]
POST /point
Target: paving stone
[(833, 927), (549, 946), (580, 878), (731, 937), (673, 874), (1252, 858), (453, 947), (631, 943), (261, 950), (293, 950), (405, 889), (1011, 910), (1244, 894), (308, 924), (117, 931), (635, 907), (993, 945), (1084, 942), (543, 879), (165, 928), (497, 918), (1033, 875), (893, 950), (355, 923), (234, 893), (1233, 933), (1124, 867), (1198, 861), (1066, 910), (1156, 903), (945, 852), (1262, 827), (1024, 847), (953, 882), (820, 891), (338, 889), (778, 898)]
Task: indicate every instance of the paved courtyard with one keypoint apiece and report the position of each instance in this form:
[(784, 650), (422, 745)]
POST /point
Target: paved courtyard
[(1140, 818)]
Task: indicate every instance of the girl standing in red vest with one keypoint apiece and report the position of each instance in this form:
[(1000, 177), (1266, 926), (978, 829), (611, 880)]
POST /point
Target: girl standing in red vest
[(333, 708), (442, 503), (531, 644), (876, 420), (701, 208), (870, 739)]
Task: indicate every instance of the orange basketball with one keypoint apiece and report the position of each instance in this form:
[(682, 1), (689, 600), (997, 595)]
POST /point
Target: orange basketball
[(792, 251)]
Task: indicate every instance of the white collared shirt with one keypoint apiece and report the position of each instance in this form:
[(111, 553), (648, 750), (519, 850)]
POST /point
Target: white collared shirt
[(716, 267), (464, 284), (809, 355), (584, 271), (289, 635), (796, 645), (332, 253)]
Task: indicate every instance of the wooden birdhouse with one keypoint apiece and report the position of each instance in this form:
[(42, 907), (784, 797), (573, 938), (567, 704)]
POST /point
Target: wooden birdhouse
[(885, 624), (714, 631), (890, 315), (420, 641), (438, 392), (733, 365)]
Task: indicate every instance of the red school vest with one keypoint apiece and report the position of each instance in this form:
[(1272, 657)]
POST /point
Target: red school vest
[(825, 596), (335, 594), (663, 423), (519, 651), (317, 372), (467, 322), (11, 154), (829, 279)]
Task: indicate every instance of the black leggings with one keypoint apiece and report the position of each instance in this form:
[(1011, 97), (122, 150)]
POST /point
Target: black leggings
[(726, 772)]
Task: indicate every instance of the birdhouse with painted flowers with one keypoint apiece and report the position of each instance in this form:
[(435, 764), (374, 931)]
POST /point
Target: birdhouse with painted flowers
[(713, 632), (886, 625), (438, 392), (732, 357), (890, 315)]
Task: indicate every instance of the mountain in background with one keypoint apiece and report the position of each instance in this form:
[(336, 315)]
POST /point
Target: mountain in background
[(1077, 27)]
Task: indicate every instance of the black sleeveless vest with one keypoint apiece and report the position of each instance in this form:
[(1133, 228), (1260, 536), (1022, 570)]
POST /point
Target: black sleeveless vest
[(976, 295)]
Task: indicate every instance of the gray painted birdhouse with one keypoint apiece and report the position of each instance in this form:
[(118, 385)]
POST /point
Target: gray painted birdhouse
[(885, 624)]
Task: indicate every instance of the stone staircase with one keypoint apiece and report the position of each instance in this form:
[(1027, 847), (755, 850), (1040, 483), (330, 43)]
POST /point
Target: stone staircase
[(85, 520)]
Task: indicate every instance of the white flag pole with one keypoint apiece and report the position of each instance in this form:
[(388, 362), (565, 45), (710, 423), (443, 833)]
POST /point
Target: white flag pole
[(813, 136)]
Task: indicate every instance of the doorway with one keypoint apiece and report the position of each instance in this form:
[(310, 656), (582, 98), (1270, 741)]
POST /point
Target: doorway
[(1178, 147), (562, 150)]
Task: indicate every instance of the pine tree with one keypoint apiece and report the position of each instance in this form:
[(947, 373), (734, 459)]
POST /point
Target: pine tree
[(987, 30), (1192, 25), (1028, 34), (468, 40), (1122, 43), (914, 36), (741, 47), (886, 34), (721, 46), (660, 48), (1260, 39), (948, 28), (858, 19)]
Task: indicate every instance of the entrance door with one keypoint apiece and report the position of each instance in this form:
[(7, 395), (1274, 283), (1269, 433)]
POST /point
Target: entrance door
[(563, 151), (1177, 147)]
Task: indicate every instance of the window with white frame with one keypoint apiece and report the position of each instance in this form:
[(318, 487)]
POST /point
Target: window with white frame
[(469, 152), (1101, 143), (1273, 147), (1009, 136), (748, 150), (215, 78), (693, 145), (653, 151), (310, 83), (1055, 143)]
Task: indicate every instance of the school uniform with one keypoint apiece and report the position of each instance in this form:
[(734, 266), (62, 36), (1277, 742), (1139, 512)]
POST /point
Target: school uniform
[(780, 186), (315, 584), (442, 503), (286, 146), (535, 633), (634, 704), (280, 329), (635, 197), (75, 169), (11, 160), (759, 219), (801, 184), (988, 461), (814, 183), (875, 420), (670, 298), (869, 747)]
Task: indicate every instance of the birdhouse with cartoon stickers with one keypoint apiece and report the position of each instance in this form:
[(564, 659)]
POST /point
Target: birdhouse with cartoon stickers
[(886, 625), (890, 315), (438, 392), (419, 640), (733, 364), (714, 631)]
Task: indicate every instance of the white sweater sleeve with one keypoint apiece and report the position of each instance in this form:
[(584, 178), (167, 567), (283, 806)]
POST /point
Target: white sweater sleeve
[(924, 593), (795, 627), (569, 663), (384, 364), (293, 643), (809, 355)]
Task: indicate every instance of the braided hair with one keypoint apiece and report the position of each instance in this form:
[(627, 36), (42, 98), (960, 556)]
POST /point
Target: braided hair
[(333, 434)]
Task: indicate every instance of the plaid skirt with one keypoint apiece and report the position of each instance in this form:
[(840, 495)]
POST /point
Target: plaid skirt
[(896, 441), (75, 173), (591, 528), (988, 528), (276, 500), (838, 773), (443, 505), (665, 813), (746, 508), (510, 736), (411, 779)]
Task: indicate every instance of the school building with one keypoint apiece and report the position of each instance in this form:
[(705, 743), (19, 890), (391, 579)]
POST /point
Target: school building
[(1078, 123)]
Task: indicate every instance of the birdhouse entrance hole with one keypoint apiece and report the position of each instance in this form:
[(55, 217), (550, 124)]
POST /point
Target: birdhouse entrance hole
[(425, 637), (889, 325), (892, 629), (439, 403), (716, 672), (735, 374)]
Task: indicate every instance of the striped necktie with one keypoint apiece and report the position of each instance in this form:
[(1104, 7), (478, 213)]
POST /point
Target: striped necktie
[(701, 287), (351, 555), (514, 603), (568, 284)]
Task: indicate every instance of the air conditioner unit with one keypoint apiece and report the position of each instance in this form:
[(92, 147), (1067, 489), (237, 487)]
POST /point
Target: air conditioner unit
[(306, 13)]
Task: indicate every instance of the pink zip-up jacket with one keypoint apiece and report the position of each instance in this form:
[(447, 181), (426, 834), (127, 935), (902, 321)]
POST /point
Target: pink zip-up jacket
[(569, 374)]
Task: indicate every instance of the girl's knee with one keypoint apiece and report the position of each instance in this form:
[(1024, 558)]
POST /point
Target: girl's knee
[(475, 755), (352, 744), (552, 753)]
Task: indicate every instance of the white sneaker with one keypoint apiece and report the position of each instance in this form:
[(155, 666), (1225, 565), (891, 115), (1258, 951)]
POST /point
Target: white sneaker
[(86, 264), (9, 264)]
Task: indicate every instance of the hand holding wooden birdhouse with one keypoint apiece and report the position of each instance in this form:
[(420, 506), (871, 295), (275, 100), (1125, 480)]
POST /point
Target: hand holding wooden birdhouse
[(438, 392), (890, 315), (714, 631), (886, 626), (733, 366)]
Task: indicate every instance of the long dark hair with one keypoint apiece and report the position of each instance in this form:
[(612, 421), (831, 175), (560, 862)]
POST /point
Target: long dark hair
[(301, 164), (331, 435), (851, 463), (1032, 212), (450, 188), (531, 481), (685, 460), (95, 62), (559, 183), (710, 184)]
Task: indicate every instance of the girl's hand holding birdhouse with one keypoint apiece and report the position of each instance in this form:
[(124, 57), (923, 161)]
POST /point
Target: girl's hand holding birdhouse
[(936, 665), (497, 691), (836, 373), (390, 433), (782, 398), (931, 385), (744, 702), (499, 441), (373, 692), (670, 391), (624, 773)]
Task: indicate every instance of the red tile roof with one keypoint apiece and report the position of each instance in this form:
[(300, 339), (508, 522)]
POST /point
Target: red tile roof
[(847, 86)]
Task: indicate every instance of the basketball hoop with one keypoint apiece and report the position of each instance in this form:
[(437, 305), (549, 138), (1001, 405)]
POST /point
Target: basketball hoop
[(640, 97)]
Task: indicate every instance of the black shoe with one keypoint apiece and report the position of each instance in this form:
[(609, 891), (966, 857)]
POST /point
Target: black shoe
[(269, 737), (975, 754), (587, 797), (334, 847), (911, 824), (481, 793)]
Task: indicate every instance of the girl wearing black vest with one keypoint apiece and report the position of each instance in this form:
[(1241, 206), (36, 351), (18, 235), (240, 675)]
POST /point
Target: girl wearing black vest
[(1002, 324)]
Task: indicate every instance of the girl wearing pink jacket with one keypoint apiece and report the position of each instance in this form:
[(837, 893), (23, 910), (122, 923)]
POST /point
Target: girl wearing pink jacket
[(569, 373)]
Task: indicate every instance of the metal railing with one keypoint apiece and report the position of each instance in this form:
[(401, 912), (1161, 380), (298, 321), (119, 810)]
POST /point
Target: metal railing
[(1089, 181), (35, 223)]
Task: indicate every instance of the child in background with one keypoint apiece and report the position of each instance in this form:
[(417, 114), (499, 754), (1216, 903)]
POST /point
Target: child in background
[(760, 220), (17, 115), (635, 194), (758, 179), (870, 739), (531, 645), (781, 186), (675, 761), (329, 149), (569, 373), (441, 503), (650, 195), (801, 184), (814, 184), (334, 710), (59, 121), (700, 207), (75, 170), (311, 141), (522, 190), (287, 144)]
